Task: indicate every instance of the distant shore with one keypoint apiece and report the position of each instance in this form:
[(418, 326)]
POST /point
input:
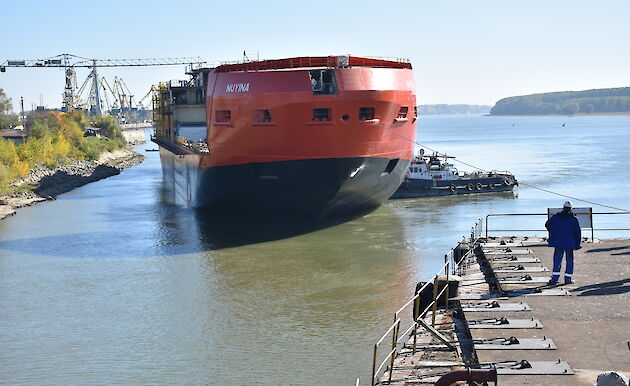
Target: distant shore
[(44, 184), (621, 114)]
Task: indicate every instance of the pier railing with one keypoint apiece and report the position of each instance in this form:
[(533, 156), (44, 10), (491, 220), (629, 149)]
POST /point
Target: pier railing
[(592, 229), (396, 336)]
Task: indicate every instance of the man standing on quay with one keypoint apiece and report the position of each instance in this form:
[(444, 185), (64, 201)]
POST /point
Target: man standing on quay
[(565, 237)]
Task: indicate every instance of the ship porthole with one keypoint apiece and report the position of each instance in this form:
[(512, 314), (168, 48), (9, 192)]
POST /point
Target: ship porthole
[(345, 117)]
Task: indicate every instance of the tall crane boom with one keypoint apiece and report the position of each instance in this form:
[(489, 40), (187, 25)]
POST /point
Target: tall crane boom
[(69, 62)]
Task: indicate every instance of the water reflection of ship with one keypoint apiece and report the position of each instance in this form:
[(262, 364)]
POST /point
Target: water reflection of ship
[(316, 294), (310, 292)]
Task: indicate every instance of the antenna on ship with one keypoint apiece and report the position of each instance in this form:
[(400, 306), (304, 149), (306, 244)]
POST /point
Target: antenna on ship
[(245, 58)]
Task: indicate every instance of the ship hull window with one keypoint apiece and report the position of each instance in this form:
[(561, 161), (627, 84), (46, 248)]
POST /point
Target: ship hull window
[(222, 117), (323, 82), (261, 116), (366, 113), (321, 115)]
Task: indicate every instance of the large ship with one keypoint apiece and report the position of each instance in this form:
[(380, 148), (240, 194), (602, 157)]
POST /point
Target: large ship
[(308, 135)]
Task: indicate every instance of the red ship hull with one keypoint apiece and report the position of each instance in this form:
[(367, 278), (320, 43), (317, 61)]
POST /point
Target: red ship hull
[(281, 142)]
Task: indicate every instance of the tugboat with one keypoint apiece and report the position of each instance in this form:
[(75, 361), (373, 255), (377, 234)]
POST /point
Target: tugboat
[(430, 176)]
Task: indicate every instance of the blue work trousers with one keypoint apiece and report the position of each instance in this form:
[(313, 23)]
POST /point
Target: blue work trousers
[(557, 264)]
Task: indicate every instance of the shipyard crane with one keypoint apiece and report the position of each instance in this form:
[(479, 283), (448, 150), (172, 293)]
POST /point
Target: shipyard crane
[(69, 62)]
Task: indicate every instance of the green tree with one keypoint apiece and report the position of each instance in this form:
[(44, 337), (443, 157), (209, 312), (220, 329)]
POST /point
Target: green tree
[(110, 127)]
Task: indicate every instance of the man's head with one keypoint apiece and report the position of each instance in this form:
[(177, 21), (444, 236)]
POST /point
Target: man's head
[(568, 205)]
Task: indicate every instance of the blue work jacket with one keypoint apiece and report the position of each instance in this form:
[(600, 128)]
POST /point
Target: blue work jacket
[(564, 231)]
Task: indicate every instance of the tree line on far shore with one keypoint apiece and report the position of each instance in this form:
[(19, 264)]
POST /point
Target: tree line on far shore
[(598, 101), (452, 109)]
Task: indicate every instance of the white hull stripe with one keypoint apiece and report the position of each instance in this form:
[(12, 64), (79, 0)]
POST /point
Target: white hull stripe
[(568, 274), (555, 273)]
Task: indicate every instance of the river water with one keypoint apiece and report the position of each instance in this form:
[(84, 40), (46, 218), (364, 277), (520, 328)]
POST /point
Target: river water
[(111, 284)]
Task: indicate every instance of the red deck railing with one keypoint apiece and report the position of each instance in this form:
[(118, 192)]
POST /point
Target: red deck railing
[(313, 61)]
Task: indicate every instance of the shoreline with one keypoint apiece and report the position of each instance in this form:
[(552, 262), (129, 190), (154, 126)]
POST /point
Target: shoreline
[(617, 114), (47, 183)]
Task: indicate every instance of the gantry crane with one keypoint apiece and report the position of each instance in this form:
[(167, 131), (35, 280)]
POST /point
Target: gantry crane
[(69, 62)]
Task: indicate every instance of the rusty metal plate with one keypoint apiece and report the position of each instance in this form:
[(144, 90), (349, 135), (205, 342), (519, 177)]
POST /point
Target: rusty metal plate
[(513, 343), (504, 323), (537, 292), (499, 245), (517, 268), (477, 296), (523, 367), (508, 251), (494, 306), (523, 279), (514, 260)]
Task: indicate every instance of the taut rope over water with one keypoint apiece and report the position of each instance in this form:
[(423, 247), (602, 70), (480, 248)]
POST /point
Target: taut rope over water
[(487, 171)]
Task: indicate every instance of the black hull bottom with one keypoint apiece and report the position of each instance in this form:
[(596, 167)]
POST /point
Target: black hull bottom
[(411, 188), (321, 187)]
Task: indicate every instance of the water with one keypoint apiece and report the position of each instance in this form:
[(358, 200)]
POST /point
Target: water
[(110, 284)]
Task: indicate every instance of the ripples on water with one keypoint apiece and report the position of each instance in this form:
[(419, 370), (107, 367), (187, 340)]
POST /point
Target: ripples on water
[(110, 284)]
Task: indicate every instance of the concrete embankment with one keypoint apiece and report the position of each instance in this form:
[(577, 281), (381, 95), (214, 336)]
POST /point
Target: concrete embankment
[(45, 183), (134, 136)]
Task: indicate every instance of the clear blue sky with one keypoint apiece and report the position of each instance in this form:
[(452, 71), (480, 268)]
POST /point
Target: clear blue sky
[(463, 51)]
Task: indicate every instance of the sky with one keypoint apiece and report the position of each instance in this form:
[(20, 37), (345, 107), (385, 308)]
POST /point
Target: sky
[(462, 51)]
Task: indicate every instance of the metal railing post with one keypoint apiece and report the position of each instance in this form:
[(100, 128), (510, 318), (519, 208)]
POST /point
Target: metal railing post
[(374, 363), (415, 335), (487, 226), (447, 285), (416, 316), (393, 356), (435, 290)]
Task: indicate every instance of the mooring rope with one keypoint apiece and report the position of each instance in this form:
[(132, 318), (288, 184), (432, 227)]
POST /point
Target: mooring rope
[(486, 171)]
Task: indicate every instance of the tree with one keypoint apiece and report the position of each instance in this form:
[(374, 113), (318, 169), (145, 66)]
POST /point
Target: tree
[(6, 104), (110, 127), (589, 109), (8, 119)]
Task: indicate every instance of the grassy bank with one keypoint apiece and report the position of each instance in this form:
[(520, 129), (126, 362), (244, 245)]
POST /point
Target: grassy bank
[(53, 138)]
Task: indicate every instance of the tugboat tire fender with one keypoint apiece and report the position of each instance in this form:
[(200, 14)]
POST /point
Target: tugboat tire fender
[(470, 186), (478, 186), (453, 188), (506, 182), (491, 185), (427, 187)]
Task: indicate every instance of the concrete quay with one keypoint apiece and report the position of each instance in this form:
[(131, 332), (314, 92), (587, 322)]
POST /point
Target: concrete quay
[(588, 320), (506, 317)]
